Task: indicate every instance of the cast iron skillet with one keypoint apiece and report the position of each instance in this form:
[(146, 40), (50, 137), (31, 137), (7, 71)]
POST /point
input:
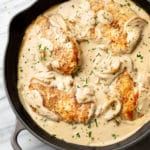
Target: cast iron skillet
[(16, 32)]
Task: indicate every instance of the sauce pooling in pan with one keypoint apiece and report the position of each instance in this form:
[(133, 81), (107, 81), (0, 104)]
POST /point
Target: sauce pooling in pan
[(84, 71)]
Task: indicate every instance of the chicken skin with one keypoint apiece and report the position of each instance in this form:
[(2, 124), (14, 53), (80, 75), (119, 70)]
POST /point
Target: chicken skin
[(64, 104), (62, 54), (114, 30), (128, 94)]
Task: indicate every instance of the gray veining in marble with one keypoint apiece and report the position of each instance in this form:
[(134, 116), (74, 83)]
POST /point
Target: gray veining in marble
[(8, 9)]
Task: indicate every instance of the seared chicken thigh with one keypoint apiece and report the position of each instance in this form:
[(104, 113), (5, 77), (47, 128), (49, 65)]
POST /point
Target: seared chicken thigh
[(62, 54), (122, 31), (64, 104), (107, 23), (128, 95)]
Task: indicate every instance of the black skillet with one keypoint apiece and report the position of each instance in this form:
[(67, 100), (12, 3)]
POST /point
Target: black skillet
[(16, 32)]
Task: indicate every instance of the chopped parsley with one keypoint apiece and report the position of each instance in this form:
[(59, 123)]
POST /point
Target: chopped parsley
[(89, 125), (78, 86), (95, 120), (74, 127), (113, 106), (90, 134), (79, 69), (78, 135), (93, 49), (98, 54), (88, 41), (86, 83), (114, 136), (121, 5), (39, 46), (128, 4), (140, 56), (91, 72), (20, 69), (45, 48), (94, 60)]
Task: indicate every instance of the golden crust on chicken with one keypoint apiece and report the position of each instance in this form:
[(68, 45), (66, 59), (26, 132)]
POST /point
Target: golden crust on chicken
[(67, 58), (128, 94), (62, 56), (122, 30), (64, 104)]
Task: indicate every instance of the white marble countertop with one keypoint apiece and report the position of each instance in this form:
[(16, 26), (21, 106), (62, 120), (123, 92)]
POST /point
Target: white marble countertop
[(8, 8)]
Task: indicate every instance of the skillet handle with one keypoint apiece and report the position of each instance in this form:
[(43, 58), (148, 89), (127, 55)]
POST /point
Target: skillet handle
[(14, 142)]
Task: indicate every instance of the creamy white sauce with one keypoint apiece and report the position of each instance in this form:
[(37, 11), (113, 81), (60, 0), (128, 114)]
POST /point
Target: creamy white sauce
[(95, 81)]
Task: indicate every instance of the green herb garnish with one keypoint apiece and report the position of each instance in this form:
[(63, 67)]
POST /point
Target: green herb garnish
[(95, 120), (78, 135)]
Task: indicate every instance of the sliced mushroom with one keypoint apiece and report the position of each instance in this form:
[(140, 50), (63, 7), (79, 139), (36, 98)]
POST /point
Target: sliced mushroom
[(109, 109), (84, 95), (133, 27), (63, 104)]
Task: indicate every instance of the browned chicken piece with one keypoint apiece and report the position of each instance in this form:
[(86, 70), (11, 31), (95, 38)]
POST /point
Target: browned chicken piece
[(64, 104), (67, 58), (62, 56), (96, 5), (121, 29), (128, 94)]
